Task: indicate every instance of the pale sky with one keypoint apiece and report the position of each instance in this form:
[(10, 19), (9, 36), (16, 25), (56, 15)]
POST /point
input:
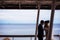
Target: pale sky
[(26, 16)]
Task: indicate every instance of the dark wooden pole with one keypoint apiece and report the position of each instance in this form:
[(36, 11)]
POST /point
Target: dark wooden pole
[(37, 21), (51, 19)]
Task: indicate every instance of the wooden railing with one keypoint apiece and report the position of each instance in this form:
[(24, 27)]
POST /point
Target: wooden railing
[(23, 35), (30, 36)]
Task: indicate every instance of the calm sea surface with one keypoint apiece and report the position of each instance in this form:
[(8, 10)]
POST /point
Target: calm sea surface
[(24, 29)]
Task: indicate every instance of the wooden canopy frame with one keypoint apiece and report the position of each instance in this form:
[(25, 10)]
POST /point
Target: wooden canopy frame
[(35, 4), (27, 4)]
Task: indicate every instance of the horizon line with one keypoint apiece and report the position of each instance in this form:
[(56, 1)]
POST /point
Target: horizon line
[(23, 23)]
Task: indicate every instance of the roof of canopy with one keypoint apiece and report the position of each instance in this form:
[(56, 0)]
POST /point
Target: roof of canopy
[(27, 4)]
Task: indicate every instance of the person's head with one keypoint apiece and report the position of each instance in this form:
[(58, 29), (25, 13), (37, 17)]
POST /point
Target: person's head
[(42, 22), (46, 22)]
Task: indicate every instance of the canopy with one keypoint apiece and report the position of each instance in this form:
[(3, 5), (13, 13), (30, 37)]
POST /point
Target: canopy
[(27, 4)]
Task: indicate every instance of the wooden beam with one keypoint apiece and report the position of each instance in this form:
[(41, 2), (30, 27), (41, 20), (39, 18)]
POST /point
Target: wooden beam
[(37, 20), (53, 6), (29, 2), (57, 3), (24, 35), (17, 35)]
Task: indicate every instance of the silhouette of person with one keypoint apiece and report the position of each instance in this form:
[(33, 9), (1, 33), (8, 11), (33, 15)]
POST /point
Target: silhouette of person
[(40, 30), (46, 27)]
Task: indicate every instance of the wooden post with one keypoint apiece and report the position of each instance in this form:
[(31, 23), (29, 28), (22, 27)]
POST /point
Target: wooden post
[(51, 20), (37, 21)]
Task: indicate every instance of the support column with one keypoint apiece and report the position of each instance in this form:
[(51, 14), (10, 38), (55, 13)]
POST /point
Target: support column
[(51, 19), (37, 21)]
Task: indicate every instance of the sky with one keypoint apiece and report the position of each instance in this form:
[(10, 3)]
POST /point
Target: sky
[(14, 16)]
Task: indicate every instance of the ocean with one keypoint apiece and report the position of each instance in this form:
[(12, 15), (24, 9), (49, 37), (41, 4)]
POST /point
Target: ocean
[(24, 29)]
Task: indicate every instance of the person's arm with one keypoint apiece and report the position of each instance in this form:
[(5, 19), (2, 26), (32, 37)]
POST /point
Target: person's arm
[(46, 29)]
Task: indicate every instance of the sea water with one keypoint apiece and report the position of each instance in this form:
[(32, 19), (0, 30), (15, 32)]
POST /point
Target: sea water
[(24, 29)]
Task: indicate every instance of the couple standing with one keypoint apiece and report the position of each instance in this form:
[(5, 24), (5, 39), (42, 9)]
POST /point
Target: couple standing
[(41, 29)]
